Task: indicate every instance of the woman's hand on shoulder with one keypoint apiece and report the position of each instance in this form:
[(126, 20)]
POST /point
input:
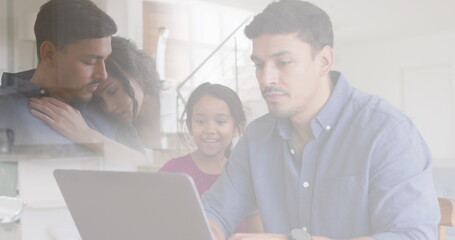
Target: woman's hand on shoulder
[(63, 118)]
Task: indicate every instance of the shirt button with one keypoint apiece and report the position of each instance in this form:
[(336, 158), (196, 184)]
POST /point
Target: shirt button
[(305, 184), (328, 127), (42, 92), (292, 151)]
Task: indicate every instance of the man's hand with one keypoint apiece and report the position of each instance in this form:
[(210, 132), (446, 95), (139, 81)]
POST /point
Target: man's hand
[(266, 236), (218, 234), (257, 236), (62, 117), (271, 236)]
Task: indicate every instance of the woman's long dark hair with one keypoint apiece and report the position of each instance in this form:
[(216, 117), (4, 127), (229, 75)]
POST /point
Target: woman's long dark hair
[(126, 60), (114, 70)]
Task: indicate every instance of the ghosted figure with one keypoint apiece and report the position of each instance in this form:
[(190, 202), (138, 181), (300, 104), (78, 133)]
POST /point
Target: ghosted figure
[(73, 41), (328, 161), (129, 96)]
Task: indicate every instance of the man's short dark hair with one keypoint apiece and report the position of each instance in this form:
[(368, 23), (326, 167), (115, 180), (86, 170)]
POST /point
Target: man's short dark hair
[(64, 22), (311, 23)]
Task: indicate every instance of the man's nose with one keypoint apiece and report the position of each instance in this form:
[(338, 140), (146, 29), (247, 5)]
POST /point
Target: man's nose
[(100, 70), (268, 75)]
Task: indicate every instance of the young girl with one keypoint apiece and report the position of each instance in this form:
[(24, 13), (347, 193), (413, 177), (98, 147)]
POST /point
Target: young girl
[(214, 115)]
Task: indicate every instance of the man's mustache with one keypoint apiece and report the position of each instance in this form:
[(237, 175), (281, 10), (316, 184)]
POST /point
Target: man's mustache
[(273, 89), (94, 82)]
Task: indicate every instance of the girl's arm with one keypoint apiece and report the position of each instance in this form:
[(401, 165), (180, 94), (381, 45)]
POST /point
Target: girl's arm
[(69, 122), (254, 223)]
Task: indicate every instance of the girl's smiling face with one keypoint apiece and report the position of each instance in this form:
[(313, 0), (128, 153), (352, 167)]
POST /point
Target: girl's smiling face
[(212, 126)]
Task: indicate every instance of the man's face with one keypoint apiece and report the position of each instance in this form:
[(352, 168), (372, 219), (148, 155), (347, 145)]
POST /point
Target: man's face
[(287, 73), (80, 68)]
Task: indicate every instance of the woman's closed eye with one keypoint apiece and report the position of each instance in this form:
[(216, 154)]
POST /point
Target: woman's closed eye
[(112, 91)]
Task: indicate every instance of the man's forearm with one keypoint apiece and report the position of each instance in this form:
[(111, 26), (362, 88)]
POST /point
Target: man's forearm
[(324, 238), (218, 234), (274, 236)]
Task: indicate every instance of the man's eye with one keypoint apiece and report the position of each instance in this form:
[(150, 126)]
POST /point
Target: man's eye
[(259, 65), (89, 63), (283, 63), (221, 122)]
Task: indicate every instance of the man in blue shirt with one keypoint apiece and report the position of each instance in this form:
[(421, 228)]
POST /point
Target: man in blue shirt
[(328, 161), (73, 40)]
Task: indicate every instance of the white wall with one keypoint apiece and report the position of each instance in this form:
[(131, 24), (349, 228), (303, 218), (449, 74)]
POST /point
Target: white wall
[(17, 41), (127, 14), (24, 15), (3, 35), (388, 68)]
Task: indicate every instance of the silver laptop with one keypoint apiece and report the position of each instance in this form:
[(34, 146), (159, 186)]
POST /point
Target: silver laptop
[(133, 205)]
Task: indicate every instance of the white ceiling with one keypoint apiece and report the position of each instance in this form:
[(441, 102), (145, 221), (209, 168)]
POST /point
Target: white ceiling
[(368, 20)]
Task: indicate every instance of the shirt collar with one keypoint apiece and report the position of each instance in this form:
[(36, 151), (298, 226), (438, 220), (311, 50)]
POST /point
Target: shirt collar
[(285, 128), (20, 82), (326, 119)]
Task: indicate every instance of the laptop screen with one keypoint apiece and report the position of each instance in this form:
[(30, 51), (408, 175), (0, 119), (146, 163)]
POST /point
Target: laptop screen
[(133, 205)]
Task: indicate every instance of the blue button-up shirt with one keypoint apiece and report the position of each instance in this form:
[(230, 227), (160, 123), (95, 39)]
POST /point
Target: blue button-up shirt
[(366, 172)]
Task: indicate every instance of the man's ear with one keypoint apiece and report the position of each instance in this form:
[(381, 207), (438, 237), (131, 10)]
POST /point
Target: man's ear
[(48, 52), (325, 58)]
